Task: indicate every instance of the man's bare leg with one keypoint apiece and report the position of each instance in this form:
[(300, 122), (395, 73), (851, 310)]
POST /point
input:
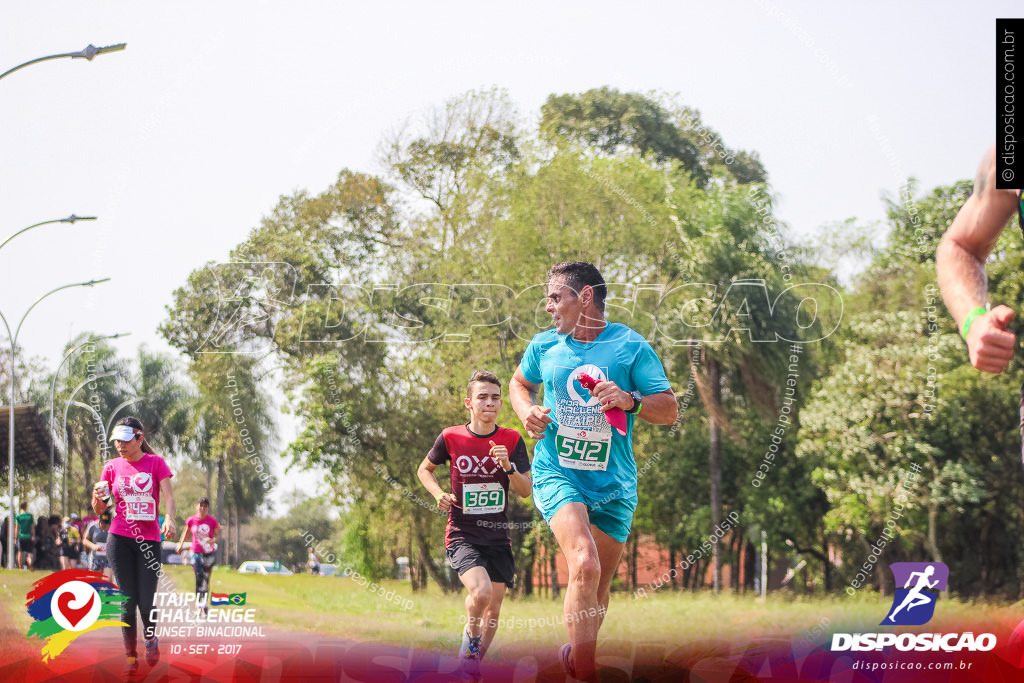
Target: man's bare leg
[(587, 574), (610, 553)]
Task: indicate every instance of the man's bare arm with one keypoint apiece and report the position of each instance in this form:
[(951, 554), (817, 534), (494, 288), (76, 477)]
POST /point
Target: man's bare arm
[(425, 473), (960, 264), (970, 239), (523, 395), (660, 409)]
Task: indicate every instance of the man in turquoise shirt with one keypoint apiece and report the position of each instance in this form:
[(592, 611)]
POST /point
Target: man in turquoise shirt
[(584, 474)]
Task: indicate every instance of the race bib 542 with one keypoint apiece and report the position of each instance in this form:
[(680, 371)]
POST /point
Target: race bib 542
[(580, 449)]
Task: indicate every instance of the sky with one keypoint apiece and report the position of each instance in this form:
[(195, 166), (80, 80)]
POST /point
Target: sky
[(182, 142)]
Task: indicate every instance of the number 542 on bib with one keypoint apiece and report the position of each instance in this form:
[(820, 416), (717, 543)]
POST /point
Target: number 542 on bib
[(582, 454)]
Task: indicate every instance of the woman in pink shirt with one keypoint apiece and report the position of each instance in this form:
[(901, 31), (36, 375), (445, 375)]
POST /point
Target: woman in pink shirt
[(203, 527), (137, 480)]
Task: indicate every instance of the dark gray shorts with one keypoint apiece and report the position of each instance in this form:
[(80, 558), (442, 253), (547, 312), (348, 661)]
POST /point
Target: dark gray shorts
[(496, 559)]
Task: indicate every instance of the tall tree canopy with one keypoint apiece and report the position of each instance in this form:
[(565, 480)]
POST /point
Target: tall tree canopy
[(381, 294)]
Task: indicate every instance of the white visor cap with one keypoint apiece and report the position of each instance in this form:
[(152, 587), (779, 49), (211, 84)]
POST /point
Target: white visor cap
[(122, 433)]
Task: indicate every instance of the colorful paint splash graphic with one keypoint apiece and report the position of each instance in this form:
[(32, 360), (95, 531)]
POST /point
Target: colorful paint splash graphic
[(69, 603)]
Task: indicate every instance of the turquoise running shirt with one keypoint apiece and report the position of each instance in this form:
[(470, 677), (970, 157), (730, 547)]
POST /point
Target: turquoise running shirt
[(580, 444)]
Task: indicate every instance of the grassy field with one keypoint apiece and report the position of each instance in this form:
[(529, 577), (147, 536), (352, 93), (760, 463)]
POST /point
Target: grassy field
[(340, 607), (14, 621), (343, 608)]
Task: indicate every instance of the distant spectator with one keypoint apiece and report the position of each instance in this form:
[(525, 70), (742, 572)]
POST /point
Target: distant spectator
[(51, 552), (42, 529), (313, 563), (3, 540), (87, 520), (96, 542), (69, 540), (26, 536), (81, 526)]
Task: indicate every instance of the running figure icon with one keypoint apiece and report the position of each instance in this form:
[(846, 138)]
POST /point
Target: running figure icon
[(915, 597)]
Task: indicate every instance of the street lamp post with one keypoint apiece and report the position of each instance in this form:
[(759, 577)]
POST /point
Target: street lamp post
[(88, 53), (70, 219), (64, 430), (95, 414), (99, 421), (53, 386), (10, 415)]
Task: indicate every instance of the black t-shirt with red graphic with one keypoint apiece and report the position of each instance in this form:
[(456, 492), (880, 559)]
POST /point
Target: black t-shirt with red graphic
[(479, 484)]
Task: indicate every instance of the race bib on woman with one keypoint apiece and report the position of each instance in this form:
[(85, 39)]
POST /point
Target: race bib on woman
[(140, 508)]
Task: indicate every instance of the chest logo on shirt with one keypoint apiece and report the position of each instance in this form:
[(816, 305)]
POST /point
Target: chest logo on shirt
[(204, 529), (468, 464), (142, 482), (576, 390)]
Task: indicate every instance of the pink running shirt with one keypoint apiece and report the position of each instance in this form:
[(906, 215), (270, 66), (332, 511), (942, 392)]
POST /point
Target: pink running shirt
[(135, 487), (202, 531)]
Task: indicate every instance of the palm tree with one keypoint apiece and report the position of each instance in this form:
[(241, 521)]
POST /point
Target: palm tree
[(164, 399), (739, 318), (231, 430), (153, 390)]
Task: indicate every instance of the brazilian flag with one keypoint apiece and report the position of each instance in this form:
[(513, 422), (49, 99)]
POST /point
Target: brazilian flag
[(237, 599)]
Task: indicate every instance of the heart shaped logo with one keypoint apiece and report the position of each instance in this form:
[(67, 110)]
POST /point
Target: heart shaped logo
[(142, 482), (72, 614), (573, 382), (75, 606)]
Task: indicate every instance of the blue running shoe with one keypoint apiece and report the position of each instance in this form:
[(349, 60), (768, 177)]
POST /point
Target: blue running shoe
[(152, 652)]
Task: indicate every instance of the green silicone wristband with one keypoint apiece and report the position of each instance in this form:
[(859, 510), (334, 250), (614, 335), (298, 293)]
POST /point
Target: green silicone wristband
[(980, 310)]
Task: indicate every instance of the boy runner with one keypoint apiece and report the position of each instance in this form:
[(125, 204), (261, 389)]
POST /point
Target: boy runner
[(485, 460)]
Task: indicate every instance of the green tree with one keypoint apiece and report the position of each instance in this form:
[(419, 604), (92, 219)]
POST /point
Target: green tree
[(471, 214), (287, 539), (743, 308), (230, 434), (611, 121), (448, 162), (164, 396), (900, 392), (887, 427)]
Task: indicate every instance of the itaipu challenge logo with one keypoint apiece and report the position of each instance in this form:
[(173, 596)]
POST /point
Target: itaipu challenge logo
[(69, 603)]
